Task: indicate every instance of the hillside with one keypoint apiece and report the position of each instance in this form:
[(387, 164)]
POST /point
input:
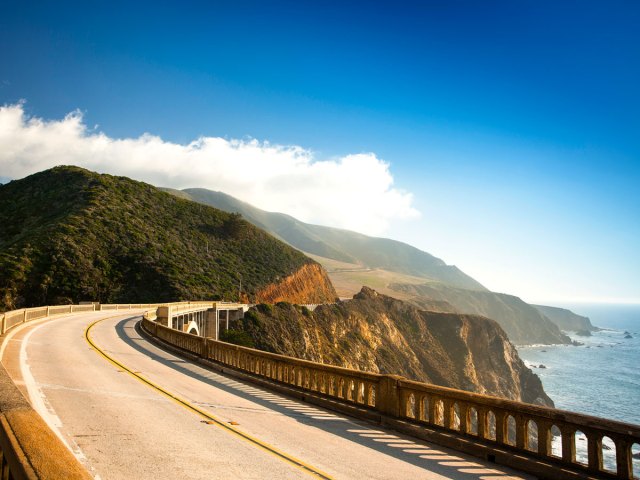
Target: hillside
[(566, 319), (393, 268), (72, 235), (338, 244), (378, 333), (523, 323)]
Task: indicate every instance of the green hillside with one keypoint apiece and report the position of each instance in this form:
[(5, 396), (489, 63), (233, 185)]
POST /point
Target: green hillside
[(338, 244), (70, 235)]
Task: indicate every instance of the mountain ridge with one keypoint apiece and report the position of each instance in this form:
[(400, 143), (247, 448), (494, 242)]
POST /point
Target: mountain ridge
[(339, 244)]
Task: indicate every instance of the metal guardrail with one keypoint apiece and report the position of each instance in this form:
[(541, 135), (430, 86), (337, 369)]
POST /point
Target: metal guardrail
[(513, 433)]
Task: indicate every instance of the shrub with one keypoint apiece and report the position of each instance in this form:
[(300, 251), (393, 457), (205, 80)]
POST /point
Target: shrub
[(237, 337)]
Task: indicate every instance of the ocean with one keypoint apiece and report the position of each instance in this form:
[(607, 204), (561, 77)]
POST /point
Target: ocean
[(601, 377)]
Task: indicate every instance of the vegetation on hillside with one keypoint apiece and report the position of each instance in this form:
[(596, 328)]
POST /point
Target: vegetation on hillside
[(70, 235)]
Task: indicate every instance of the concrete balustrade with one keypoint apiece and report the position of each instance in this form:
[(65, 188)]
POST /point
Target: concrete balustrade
[(15, 317), (513, 433), (522, 427)]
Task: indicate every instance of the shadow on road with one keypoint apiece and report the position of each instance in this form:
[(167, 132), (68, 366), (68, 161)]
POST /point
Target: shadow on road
[(436, 459)]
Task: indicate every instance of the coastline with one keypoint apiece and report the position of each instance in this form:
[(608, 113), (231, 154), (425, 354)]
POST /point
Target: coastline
[(600, 376)]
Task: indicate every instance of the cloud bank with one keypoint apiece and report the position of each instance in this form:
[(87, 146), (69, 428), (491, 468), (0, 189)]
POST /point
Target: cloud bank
[(353, 192)]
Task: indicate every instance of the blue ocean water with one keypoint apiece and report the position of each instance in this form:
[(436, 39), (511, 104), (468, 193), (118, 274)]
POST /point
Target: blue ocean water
[(601, 377)]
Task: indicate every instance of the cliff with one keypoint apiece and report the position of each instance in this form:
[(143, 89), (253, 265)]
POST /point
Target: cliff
[(566, 319), (309, 284), (378, 333), (524, 324), (69, 235)]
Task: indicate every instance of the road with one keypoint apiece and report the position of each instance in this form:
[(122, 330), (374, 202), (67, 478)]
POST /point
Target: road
[(188, 422)]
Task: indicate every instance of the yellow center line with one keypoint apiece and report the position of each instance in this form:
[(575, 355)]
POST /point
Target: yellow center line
[(206, 415)]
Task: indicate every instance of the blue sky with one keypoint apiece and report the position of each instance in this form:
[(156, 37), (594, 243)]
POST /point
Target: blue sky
[(514, 125)]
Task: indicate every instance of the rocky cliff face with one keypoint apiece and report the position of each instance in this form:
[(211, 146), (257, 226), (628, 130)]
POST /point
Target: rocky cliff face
[(309, 284), (524, 324), (377, 333)]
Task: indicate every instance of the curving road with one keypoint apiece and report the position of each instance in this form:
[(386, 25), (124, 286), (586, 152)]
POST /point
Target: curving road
[(213, 427)]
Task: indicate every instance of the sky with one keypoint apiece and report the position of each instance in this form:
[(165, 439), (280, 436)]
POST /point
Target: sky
[(502, 137)]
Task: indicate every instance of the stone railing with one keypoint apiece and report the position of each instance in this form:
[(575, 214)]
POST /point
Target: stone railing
[(10, 319), (16, 317), (512, 433)]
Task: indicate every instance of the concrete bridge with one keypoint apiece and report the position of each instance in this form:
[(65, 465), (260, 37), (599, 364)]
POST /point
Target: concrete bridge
[(115, 395), (206, 319)]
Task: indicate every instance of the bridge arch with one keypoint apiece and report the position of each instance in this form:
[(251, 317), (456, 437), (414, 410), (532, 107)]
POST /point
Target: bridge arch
[(193, 328)]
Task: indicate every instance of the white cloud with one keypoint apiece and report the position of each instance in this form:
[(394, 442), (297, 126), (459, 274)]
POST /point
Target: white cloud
[(354, 192)]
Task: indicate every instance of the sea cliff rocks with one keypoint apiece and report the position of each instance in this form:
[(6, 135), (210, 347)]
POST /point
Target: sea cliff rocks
[(378, 333)]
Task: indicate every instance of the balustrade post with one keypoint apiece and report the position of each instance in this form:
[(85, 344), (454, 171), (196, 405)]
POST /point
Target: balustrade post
[(482, 421), (594, 450), (521, 431), (500, 426), (387, 395), (624, 463), (464, 410), (544, 438), (432, 410), (568, 444), (24, 316), (203, 347), (4, 324), (447, 405)]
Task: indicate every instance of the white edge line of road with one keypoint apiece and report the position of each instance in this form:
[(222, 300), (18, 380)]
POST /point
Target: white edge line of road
[(38, 400)]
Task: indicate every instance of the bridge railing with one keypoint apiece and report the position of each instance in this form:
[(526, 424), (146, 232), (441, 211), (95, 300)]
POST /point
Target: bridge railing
[(475, 423), (523, 427), (16, 317), (28, 448), (480, 424)]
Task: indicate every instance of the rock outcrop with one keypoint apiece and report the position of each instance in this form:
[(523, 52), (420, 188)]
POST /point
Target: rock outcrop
[(308, 285), (524, 324), (378, 333)]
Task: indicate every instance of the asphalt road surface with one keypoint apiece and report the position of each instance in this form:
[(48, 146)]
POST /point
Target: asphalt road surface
[(185, 421)]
